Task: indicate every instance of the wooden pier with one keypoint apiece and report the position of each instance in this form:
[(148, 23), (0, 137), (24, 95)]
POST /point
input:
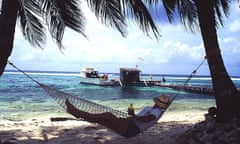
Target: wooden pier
[(131, 77), (148, 82), (141, 83), (189, 88)]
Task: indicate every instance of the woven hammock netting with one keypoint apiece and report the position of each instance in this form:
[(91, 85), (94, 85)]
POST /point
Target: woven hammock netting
[(80, 103)]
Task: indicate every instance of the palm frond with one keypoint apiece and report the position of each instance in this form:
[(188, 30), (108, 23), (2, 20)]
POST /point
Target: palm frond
[(221, 8), (60, 14), (32, 28), (138, 10), (225, 6), (187, 13), (169, 6), (218, 12), (184, 9), (152, 2), (109, 12)]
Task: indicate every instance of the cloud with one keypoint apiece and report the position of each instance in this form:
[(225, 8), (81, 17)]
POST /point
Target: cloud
[(234, 26), (106, 46), (177, 51)]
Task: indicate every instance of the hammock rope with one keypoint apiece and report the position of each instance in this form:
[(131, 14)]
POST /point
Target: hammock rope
[(188, 79)]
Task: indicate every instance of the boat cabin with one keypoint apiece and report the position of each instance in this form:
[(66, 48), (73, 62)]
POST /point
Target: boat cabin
[(129, 76), (89, 73)]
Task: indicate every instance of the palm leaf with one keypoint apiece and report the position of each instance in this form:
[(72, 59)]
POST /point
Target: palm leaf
[(184, 9), (221, 8), (138, 10), (31, 25), (188, 13), (109, 12), (114, 13), (225, 6), (169, 6), (60, 14)]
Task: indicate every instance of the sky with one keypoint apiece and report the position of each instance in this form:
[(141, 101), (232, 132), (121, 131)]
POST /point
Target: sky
[(178, 51)]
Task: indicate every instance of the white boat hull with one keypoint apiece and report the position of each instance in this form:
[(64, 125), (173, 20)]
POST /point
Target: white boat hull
[(98, 81)]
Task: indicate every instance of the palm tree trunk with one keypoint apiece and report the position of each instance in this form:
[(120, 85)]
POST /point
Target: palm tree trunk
[(226, 94), (8, 20)]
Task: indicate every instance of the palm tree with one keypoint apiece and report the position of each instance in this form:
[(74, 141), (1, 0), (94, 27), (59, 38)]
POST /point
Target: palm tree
[(8, 11), (207, 15), (59, 14)]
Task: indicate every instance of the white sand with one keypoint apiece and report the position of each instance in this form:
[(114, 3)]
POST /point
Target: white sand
[(40, 130)]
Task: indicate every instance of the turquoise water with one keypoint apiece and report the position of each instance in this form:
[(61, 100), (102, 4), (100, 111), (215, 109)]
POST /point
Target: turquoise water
[(21, 97)]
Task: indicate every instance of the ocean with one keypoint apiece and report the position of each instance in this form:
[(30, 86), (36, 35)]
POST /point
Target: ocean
[(21, 98)]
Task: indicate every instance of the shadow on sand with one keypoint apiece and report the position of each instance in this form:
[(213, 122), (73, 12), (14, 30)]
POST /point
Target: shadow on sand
[(163, 132)]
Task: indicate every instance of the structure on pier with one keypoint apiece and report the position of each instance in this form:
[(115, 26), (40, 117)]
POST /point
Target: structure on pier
[(131, 77)]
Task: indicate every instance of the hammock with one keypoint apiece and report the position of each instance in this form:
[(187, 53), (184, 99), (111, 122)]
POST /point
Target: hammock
[(87, 107), (80, 103)]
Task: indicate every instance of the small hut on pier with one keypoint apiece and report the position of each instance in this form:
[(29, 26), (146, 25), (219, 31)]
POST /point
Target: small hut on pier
[(129, 76)]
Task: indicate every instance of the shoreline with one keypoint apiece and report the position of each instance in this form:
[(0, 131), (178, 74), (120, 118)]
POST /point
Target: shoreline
[(40, 129)]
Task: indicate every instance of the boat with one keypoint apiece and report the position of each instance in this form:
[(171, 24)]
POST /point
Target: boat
[(91, 76)]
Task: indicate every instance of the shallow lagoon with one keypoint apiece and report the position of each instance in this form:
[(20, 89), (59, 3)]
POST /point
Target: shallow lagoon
[(21, 97)]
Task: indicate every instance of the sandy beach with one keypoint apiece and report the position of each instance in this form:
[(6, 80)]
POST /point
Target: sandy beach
[(40, 129)]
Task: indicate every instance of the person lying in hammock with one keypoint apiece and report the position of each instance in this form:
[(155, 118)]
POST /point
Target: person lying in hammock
[(127, 127)]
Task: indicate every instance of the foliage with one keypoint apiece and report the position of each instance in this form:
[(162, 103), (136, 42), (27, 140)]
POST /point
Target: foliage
[(59, 14)]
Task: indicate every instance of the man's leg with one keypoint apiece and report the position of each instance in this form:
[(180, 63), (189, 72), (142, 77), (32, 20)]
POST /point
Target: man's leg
[(107, 119)]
